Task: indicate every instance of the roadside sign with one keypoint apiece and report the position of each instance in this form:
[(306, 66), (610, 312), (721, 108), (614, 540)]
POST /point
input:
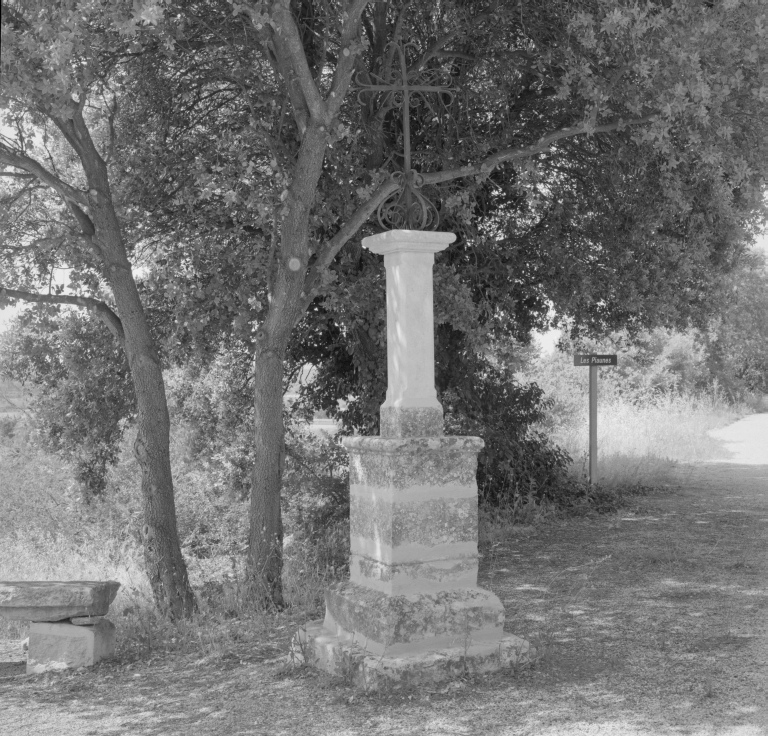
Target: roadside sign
[(590, 359), (594, 361)]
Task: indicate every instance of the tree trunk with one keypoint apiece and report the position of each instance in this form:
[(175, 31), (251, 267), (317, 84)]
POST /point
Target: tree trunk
[(165, 564), (265, 540)]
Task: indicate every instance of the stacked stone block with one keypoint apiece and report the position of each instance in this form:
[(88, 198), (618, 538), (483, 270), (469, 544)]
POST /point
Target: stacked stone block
[(68, 626)]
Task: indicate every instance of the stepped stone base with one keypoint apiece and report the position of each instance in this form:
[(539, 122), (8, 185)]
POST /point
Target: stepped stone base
[(412, 612), (395, 625), (61, 645), (338, 655)]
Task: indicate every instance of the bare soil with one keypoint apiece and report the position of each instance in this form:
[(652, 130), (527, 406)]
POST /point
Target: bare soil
[(650, 622)]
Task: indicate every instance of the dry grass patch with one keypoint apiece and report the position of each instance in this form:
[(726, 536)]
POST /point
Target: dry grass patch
[(46, 533), (647, 623)]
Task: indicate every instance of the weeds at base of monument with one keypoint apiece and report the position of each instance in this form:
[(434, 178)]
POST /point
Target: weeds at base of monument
[(301, 653)]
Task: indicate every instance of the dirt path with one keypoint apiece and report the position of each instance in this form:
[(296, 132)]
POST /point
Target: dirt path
[(651, 622)]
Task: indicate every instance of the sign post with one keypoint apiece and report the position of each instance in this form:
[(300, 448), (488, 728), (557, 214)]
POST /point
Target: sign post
[(594, 362)]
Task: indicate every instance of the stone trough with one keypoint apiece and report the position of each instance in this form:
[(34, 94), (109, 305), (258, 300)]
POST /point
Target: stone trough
[(69, 626)]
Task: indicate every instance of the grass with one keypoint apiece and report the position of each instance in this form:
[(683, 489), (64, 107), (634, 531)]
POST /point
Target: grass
[(641, 439), (633, 600), (670, 428), (641, 617), (646, 623), (47, 533), (641, 444)]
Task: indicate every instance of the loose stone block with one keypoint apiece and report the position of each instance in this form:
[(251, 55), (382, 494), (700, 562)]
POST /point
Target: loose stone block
[(59, 646), (85, 620), (55, 600)]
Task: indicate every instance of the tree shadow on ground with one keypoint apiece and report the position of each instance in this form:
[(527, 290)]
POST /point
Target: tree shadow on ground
[(649, 621)]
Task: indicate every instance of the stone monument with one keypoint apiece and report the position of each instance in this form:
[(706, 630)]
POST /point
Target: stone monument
[(412, 611)]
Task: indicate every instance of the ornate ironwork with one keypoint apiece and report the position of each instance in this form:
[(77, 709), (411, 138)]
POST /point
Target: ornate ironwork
[(407, 207)]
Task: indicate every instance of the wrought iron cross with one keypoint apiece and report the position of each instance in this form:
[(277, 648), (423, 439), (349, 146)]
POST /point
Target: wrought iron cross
[(407, 207)]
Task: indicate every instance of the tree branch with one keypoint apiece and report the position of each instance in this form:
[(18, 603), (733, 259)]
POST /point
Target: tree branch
[(288, 41), (17, 195), (73, 198), (350, 38), (67, 128), (436, 48), (282, 69), (514, 154), (347, 231), (102, 310), (18, 160), (361, 215)]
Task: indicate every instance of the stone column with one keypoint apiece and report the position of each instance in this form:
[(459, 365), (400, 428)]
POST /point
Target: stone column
[(412, 610), (411, 408)]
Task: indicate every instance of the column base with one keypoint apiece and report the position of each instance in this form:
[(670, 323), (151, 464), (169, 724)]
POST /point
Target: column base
[(339, 656), (426, 421)]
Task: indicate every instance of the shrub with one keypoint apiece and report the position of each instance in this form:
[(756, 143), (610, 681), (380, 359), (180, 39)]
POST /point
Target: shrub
[(85, 390), (516, 462), (315, 499), (7, 427)]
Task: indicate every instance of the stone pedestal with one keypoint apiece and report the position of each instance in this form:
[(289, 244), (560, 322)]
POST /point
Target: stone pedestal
[(413, 513), (412, 611), (60, 645)]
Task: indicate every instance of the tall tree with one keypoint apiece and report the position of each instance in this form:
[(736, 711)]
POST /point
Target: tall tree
[(55, 77), (606, 155)]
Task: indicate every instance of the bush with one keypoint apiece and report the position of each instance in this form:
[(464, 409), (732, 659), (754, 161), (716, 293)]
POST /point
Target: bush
[(85, 390), (212, 402), (315, 500), (516, 462), (7, 427)]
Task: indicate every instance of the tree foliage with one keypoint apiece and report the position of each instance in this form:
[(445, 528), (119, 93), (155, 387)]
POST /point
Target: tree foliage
[(736, 340), (84, 395), (601, 158), (57, 65)]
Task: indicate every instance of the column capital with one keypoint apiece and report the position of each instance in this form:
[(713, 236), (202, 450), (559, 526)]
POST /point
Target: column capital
[(408, 241)]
